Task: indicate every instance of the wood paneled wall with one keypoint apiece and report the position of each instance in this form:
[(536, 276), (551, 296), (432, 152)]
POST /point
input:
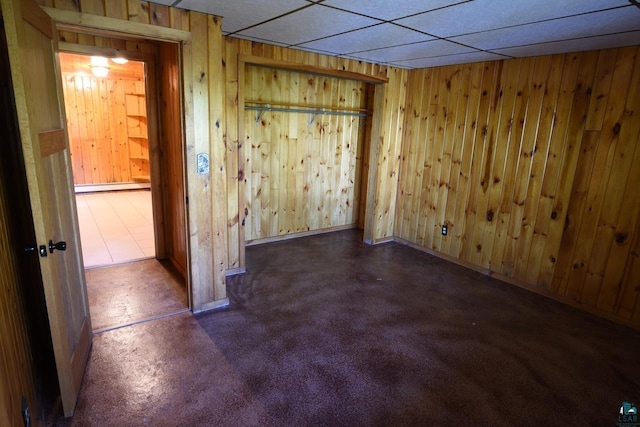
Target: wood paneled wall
[(384, 157), (533, 164), (107, 124), (237, 178), (303, 170)]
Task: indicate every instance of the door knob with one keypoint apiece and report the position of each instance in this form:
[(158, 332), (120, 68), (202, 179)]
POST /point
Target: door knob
[(61, 246)]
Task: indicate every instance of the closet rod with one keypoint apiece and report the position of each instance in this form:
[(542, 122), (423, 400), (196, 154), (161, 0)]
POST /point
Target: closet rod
[(305, 110)]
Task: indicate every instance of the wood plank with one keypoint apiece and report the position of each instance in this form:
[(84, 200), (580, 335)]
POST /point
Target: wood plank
[(216, 119), (598, 182), (479, 99), (484, 149), (613, 288), (451, 219), (468, 146), (531, 247), (451, 85), (138, 11), (310, 69), (628, 296), (172, 145), (200, 201), (515, 189), (568, 77), (601, 87), (116, 9), (233, 141), (567, 173), (179, 19), (159, 15), (107, 26), (607, 232), (504, 151), (529, 168), (93, 7), (51, 142), (408, 160), (38, 18)]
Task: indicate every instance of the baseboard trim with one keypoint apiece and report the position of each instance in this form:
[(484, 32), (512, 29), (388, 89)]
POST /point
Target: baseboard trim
[(214, 305), (299, 234), (511, 281)]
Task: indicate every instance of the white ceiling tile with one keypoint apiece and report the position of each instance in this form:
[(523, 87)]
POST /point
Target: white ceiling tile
[(355, 28), (593, 24), (309, 24), (383, 9), (271, 42), (437, 61), (414, 51), (482, 15), (242, 14), (591, 43), (376, 37)]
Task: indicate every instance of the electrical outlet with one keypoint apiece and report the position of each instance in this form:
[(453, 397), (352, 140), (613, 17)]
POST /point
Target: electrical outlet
[(444, 230)]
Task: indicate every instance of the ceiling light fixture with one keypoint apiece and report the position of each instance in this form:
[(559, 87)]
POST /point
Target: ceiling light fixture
[(120, 60), (99, 66)]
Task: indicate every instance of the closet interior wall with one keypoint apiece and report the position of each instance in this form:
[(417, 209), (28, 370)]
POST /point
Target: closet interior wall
[(304, 137)]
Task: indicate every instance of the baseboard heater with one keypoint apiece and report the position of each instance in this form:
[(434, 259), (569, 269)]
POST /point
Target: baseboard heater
[(115, 186)]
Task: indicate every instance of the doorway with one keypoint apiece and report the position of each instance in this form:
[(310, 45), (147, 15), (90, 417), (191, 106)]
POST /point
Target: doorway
[(105, 103), (133, 263)]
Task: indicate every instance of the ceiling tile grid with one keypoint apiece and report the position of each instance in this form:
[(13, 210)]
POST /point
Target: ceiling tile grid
[(425, 33), (375, 37)]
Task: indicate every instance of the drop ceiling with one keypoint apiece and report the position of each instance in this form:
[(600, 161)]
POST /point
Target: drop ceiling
[(426, 33)]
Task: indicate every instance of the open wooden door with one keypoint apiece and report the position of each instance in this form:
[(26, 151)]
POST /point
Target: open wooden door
[(32, 46)]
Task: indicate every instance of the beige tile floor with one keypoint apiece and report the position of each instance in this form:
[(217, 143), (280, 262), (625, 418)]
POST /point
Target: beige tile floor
[(115, 227)]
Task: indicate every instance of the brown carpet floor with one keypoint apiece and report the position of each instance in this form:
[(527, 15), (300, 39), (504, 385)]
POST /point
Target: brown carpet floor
[(135, 291), (326, 331)]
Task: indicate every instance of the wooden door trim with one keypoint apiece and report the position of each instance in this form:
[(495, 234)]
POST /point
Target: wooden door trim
[(37, 17), (116, 28), (103, 26)]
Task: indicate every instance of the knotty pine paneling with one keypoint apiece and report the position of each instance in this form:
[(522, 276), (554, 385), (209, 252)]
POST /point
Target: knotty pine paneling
[(303, 170), (107, 122), (238, 178), (533, 164)]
